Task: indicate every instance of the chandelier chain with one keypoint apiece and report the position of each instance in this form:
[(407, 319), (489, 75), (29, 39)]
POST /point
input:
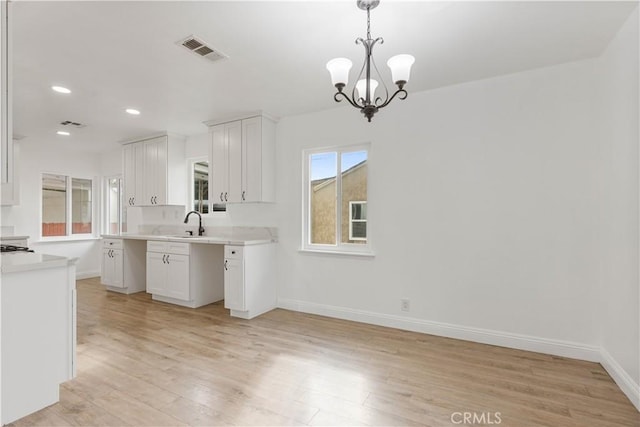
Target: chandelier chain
[(368, 24)]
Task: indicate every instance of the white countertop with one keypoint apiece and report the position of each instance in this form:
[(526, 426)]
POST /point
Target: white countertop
[(238, 240), (14, 237), (26, 261)]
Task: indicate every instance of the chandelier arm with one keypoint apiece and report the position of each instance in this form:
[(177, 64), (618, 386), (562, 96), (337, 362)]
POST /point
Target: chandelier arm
[(375, 67), (345, 96), (401, 93), (363, 42)]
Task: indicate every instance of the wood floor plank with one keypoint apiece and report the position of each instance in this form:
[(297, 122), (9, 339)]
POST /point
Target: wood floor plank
[(146, 363)]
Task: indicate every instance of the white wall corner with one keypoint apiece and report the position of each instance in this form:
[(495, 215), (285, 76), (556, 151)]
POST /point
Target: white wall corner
[(628, 386), (485, 336)]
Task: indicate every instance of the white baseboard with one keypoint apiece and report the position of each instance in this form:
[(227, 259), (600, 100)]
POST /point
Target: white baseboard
[(86, 274), (628, 386), (486, 336)]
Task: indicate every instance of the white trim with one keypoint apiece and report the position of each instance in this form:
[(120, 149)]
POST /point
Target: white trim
[(568, 349), (86, 274), (629, 387)]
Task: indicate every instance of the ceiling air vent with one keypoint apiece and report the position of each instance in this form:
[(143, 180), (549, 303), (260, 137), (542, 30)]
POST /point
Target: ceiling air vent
[(72, 124), (196, 45)]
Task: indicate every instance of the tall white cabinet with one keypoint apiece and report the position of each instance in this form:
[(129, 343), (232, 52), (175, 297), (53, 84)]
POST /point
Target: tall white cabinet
[(242, 160), (154, 171)]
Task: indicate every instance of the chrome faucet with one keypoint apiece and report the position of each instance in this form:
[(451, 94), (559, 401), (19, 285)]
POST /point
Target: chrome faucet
[(200, 227)]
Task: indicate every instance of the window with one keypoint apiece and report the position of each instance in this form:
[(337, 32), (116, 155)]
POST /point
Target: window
[(335, 195), (358, 220), (201, 187), (114, 214), (67, 207), (199, 191)]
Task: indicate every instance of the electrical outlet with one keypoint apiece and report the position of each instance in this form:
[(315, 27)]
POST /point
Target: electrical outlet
[(404, 304)]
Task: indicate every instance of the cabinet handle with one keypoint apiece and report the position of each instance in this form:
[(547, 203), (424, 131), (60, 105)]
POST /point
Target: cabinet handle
[(163, 260), (168, 259), (243, 195), (221, 199), (225, 196), (133, 200), (225, 264)]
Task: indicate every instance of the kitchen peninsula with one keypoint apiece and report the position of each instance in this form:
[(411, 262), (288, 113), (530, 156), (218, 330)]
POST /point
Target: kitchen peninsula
[(237, 265), (38, 330)]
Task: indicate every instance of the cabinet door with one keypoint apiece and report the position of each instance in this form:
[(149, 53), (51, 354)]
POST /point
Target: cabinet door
[(112, 272), (133, 167), (234, 135), (218, 170), (156, 273), (107, 270), (234, 292), (252, 160), (178, 277), (155, 171), (118, 268), (129, 167)]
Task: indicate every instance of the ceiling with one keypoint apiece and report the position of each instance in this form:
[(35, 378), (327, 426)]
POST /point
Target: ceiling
[(119, 54)]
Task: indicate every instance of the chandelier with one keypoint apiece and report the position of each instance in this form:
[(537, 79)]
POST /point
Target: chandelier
[(363, 94)]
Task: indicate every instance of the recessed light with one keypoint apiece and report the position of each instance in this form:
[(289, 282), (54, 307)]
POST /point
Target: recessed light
[(60, 89), (132, 111), (61, 132)]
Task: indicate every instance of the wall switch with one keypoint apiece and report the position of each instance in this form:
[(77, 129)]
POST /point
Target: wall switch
[(404, 304)]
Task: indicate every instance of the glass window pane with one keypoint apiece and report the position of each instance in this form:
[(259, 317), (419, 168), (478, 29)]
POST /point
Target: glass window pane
[(354, 189), (80, 206), (322, 200), (201, 187), (54, 205), (113, 209)]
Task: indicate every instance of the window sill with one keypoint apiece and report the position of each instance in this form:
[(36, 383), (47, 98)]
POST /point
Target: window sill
[(62, 239), (359, 254)]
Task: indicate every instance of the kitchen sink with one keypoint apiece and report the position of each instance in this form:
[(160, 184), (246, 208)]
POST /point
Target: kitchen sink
[(185, 236)]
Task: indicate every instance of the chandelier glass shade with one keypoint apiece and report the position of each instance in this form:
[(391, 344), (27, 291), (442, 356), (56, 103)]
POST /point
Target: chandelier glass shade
[(363, 94)]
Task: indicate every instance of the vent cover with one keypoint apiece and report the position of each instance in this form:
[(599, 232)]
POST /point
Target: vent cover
[(196, 45), (72, 124)]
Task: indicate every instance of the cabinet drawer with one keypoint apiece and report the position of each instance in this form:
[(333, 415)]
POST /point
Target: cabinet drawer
[(178, 248), (153, 246), (233, 252), (112, 243)]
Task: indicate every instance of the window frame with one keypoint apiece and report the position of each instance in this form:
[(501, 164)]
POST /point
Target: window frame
[(340, 248), (95, 209)]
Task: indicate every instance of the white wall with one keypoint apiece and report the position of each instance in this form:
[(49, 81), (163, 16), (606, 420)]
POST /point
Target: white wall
[(483, 206), (52, 156), (619, 302)]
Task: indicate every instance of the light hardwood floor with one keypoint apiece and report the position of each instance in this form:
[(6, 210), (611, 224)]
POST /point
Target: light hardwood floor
[(146, 363)]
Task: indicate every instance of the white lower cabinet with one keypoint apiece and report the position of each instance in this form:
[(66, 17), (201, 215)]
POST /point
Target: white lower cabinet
[(112, 268), (122, 269), (183, 274), (249, 279)]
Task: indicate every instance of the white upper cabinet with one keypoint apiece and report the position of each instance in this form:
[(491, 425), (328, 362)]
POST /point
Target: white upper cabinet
[(242, 159), (154, 172)]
